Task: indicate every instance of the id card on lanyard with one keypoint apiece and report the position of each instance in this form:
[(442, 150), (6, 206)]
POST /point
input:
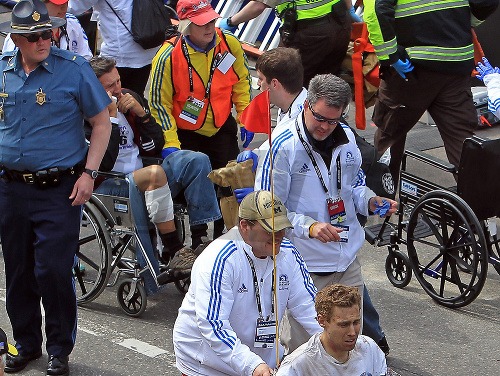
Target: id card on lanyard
[(265, 330), (192, 107), (335, 206)]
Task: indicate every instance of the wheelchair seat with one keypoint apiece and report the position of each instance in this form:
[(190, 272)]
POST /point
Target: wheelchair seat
[(478, 182)]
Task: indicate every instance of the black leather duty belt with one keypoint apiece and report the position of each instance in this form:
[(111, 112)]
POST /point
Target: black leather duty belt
[(43, 178)]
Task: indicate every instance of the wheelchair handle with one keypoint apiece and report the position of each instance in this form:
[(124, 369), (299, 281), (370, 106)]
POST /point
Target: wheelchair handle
[(433, 161)]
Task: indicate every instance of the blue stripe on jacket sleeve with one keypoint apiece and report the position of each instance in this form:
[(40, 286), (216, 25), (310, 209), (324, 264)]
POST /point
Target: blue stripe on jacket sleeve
[(308, 283), (266, 166), (216, 296)]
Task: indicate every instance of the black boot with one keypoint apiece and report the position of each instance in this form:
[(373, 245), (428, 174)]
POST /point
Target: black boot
[(198, 235), (171, 244)]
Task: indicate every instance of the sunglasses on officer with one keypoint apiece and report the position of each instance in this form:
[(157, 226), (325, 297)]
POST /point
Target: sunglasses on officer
[(323, 119), (32, 38)]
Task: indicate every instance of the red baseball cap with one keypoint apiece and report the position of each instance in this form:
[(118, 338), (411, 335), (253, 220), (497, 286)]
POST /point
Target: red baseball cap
[(199, 12), (58, 2)]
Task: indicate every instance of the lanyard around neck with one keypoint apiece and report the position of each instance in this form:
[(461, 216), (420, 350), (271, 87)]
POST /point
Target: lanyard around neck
[(257, 290), (315, 164), (215, 61)]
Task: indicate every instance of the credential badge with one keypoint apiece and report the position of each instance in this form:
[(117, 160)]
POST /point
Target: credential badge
[(36, 16)]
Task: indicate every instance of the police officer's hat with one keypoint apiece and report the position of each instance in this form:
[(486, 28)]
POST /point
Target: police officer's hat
[(30, 16)]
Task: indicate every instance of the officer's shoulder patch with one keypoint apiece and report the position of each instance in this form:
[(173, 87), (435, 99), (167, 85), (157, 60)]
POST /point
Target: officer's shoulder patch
[(68, 55)]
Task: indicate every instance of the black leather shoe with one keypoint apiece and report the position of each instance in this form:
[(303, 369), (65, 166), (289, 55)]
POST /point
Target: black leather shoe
[(58, 365), (17, 363)]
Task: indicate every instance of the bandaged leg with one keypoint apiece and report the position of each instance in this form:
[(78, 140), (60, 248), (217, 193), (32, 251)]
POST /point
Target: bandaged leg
[(159, 204), (161, 212)]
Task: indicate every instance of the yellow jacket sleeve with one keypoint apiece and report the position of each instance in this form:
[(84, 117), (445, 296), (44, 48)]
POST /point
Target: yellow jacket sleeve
[(161, 94)]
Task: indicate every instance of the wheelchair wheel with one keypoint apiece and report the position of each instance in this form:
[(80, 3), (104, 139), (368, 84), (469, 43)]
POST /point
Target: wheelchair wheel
[(183, 285), (398, 269), (450, 258), (132, 297), (93, 257)]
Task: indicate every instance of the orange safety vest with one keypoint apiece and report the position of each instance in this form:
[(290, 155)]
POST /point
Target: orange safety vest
[(220, 91)]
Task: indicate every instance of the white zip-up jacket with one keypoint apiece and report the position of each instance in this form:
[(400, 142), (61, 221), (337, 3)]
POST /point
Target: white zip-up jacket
[(215, 330), (298, 185)]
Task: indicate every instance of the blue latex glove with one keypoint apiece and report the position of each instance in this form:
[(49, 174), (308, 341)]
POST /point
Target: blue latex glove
[(403, 67), (382, 209), (167, 151), (246, 136), (240, 193), (224, 26), (354, 16), (485, 68), (248, 154)]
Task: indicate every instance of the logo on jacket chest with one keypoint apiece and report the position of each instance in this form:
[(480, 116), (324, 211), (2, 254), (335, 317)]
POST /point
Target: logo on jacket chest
[(242, 289), (283, 282), (305, 168)]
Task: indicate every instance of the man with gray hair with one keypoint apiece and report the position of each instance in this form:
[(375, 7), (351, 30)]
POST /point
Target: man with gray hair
[(316, 170)]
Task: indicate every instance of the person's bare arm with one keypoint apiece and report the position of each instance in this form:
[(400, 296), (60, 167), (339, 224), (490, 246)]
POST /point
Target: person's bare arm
[(248, 12), (101, 130)]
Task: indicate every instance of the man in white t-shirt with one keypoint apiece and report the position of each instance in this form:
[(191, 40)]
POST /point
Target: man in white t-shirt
[(339, 349)]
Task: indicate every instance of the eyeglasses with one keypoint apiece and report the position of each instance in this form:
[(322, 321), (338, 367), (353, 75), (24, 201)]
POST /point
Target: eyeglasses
[(323, 119), (32, 38)]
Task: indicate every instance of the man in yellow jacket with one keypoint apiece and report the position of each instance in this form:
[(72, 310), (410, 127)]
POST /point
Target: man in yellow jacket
[(196, 79)]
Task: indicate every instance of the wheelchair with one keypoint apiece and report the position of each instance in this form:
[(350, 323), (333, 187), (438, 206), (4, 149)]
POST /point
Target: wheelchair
[(449, 233), (108, 245)]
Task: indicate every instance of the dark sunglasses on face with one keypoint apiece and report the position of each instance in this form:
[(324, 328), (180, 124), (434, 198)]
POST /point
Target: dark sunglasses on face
[(323, 119), (32, 38)]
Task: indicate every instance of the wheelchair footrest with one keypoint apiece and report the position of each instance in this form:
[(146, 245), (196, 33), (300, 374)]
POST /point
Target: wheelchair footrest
[(422, 230), (172, 275), (372, 233)]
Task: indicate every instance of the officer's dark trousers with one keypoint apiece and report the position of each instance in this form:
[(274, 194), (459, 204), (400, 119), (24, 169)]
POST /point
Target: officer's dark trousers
[(39, 230)]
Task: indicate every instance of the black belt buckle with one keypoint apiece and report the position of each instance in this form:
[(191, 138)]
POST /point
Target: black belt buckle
[(29, 178)]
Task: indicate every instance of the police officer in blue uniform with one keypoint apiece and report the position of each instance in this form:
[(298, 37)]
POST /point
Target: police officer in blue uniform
[(47, 173)]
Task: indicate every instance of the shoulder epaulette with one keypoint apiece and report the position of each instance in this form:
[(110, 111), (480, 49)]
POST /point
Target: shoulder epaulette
[(68, 55)]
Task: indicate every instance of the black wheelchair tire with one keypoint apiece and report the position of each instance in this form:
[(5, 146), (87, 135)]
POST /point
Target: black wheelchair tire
[(435, 258), (94, 253), (398, 269), (136, 306)]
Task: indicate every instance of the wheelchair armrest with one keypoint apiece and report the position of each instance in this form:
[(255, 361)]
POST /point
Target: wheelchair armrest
[(149, 161), (433, 161), (112, 174)]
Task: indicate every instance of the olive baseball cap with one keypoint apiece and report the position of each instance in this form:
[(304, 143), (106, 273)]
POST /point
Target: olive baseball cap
[(258, 206)]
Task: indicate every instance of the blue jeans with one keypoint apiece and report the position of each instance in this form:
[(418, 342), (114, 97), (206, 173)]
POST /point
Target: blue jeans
[(371, 324), (187, 172)]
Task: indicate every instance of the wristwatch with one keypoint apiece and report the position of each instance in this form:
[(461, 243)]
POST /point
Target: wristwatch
[(146, 116), (230, 23), (93, 173)]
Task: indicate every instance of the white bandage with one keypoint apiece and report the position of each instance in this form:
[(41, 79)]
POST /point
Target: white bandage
[(159, 204)]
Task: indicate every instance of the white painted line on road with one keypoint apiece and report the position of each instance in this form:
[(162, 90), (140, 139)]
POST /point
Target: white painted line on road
[(121, 339), (88, 331), (142, 347)]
